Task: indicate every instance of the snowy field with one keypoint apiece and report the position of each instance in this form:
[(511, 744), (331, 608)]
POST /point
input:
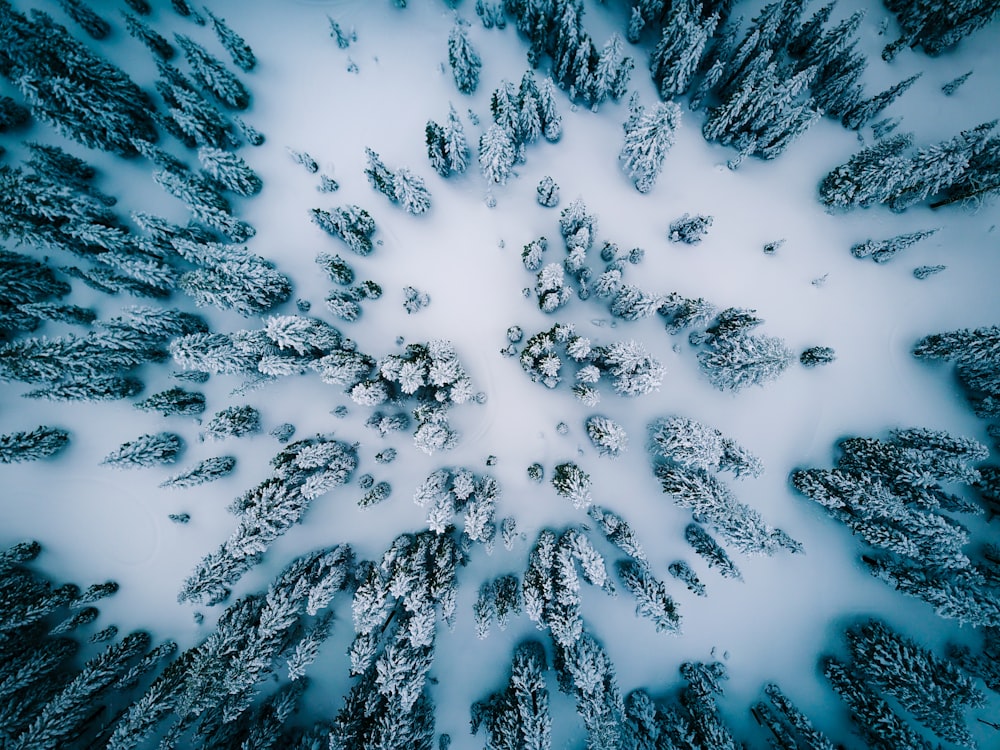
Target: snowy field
[(309, 95)]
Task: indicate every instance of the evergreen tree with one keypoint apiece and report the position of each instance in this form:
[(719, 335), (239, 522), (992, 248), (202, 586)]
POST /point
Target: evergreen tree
[(689, 229), (634, 372), (204, 471), (12, 114), (703, 543), (870, 176), (519, 715), (496, 155), (866, 111), (953, 85), (437, 148), (817, 355), (146, 450), (683, 572), (174, 401), (676, 58), (352, 224), (39, 443), (881, 251), (463, 58), (235, 45), (934, 691), (573, 483), (233, 421), (79, 93), (695, 445), (648, 137), (411, 192), (456, 148), (211, 73), (652, 599), (380, 177), (154, 41), (550, 118), (734, 362), (95, 26), (879, 725), (230, 170), (937, 28), (607, 436), (547, 194)]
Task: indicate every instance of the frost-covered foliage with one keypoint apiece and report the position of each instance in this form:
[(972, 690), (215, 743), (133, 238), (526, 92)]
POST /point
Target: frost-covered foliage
[(32, 445), (233, 421), (204, 471), (695, 445), (464, 60), (608, 436), (573, 483), (689, 229), (146, 450), (302, 471), (648, 137), (907, 517), (976, 354)]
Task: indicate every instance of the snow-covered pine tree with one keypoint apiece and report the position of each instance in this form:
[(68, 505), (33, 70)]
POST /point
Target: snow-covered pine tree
[(146, 450), (32, 445), (881, 251), (88, 90), (234, 44), (710, 550), (456, 147), (633, 370), (411, 192), (437, 151), (676, 58), (233, 421), (496, 155), (207, 470), (12, 114), (573, 483), (211, 73), (464, 60), (353, 224), (875, 719), (689, 229), (652, 599), (155, 42), (649, 134), (380, 177), (871, 176), (930, 688), (608, 436), (174, 401), (230, 170)]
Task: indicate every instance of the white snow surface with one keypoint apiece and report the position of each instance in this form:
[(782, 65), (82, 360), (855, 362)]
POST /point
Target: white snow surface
[(97, 524)]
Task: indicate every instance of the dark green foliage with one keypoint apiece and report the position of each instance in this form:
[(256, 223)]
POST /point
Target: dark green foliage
[(142, 7), (25, 282), (146, 450), (12, 114), (95, 26), (95, 103), (204, 471), (817, 355), (174, 402), (39, 443), (193, 119)]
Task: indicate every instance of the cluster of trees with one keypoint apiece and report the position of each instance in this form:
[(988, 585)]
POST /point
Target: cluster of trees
[(734, 357), (556, 29), (210, 695), (428, 373), (447, 492), (518, 716), (687, 456), (649, 134), (396, 606), (965, 168), (630, 368), (302, 471), (521, 116), (887, 665), (976, 354), (447, 147), (765, 87), (99, 365), (191, 117), (892, 494), (49, 698), (401, 187), (937, 28), (82, 95)]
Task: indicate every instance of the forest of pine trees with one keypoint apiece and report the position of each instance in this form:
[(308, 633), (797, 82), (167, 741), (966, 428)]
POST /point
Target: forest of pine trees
[(100, 304)]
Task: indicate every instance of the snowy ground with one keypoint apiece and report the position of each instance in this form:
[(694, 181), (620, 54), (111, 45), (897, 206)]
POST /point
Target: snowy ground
[(98, 524)]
